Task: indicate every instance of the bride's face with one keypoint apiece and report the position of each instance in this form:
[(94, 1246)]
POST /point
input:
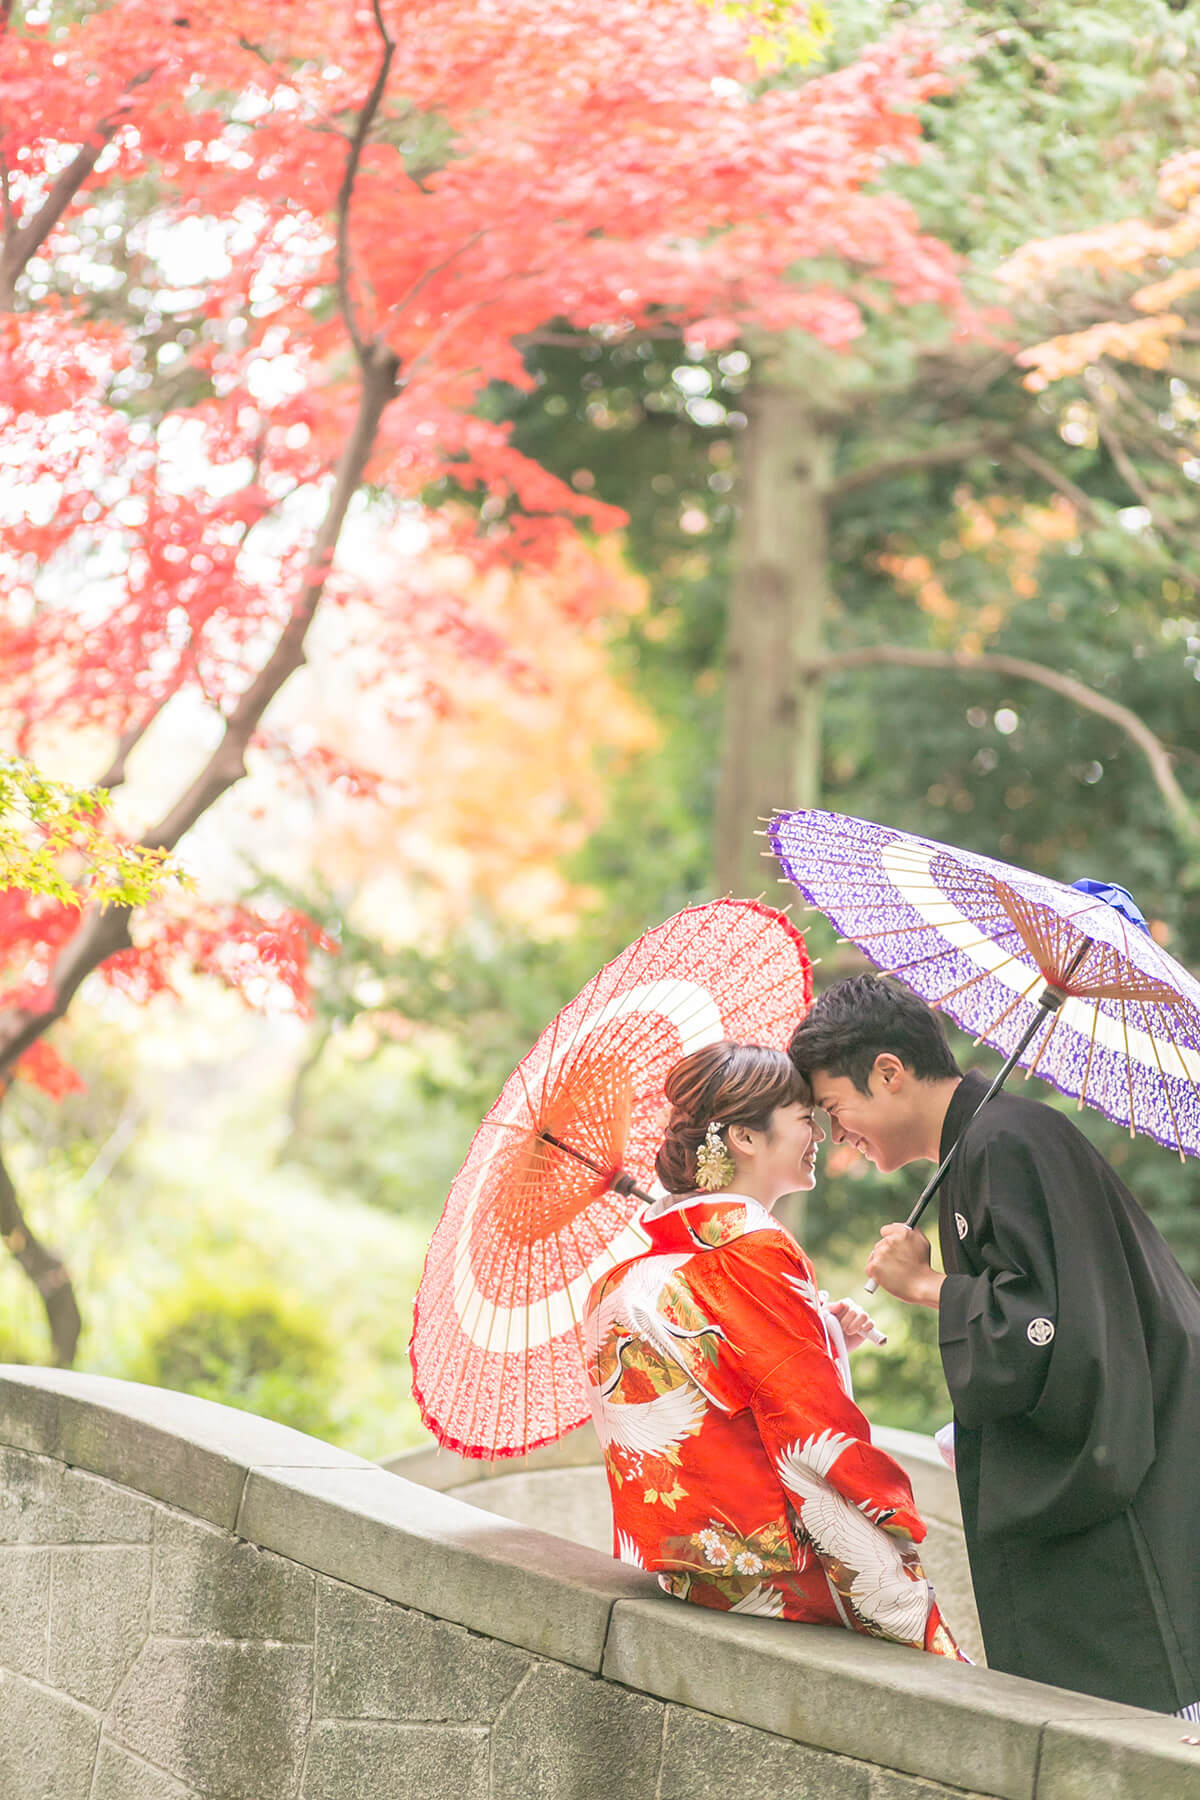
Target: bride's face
[(785, 1154)]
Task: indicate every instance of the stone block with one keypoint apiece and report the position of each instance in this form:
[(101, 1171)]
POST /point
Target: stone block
[(356, 1761), (441, 1556), (191, 1453), (944, 1555), (47, 1743), (568, 1736), (121, 1776), (1135, 1756), (571, 1503), (884, 1785), (712, 1759), (433, 1466), (99, 1618), (227, 1719), (24, 1609), (375, 1660), (41, 1502), (934, 1486), (209, 1584), (856, 1696)]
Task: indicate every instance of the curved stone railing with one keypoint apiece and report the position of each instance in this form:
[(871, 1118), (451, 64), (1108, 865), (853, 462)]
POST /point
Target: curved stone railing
[(563, 1489), (195, 1603)]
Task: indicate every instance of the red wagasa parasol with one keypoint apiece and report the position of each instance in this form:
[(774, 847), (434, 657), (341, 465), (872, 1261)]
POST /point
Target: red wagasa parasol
[(556, 1175)]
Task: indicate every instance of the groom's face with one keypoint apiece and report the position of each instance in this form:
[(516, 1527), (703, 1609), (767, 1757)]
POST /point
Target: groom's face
[(878, 1124)]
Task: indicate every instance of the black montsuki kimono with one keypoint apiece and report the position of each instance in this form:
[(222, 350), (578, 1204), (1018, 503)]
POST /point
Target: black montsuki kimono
[(1070, 1338)]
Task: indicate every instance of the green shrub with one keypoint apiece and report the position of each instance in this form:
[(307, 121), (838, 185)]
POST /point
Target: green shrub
[(247, 1345)]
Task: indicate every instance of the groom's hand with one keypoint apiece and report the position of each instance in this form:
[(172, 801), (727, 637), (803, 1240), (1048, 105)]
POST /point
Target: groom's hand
[(900, 1262)]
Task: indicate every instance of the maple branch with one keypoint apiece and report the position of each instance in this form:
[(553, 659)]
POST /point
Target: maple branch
[(920, 459), (1088, 508), (10, 216), (105, 930), (346, 190), (1054, 478), (1133, 481), (967, 662), (114, 775), (24, 241), (45, 1270), (436, 269)]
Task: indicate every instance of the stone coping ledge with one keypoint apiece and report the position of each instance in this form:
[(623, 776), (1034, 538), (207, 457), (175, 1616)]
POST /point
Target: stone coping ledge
[(346, 1518), (934, 1487)]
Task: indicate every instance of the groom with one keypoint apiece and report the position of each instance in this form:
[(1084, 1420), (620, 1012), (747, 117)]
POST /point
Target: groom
[(1070, 1340)]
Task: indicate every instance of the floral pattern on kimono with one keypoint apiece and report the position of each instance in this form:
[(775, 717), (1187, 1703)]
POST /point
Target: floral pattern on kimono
[(741, 1472)]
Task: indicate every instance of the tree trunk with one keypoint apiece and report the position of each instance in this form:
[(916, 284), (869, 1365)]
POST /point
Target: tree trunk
[(45, 1270), (771, 748)]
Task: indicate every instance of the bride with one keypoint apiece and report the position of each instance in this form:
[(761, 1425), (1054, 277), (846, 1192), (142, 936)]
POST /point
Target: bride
[(740, 1470)]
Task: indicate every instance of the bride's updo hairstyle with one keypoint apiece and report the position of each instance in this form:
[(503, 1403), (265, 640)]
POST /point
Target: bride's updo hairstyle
[(739, 1084)]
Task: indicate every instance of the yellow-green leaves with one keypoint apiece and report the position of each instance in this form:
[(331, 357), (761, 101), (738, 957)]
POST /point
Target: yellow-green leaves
[(54, 841), (787, 33)]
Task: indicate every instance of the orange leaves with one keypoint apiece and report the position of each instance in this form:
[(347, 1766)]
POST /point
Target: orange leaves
[(1143, 341), (915, 574), (1009, 538), (1127, 248), (500, 765), (1160, 294), (1179, 179)]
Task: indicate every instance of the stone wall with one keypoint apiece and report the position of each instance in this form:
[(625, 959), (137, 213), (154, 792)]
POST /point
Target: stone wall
[(194, 1603)]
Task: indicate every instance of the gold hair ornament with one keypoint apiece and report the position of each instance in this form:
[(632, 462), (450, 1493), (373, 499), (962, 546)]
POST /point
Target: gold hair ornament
[(714, 1165)]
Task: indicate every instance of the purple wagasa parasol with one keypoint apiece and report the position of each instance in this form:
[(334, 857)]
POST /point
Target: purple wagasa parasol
[(1066, 980)]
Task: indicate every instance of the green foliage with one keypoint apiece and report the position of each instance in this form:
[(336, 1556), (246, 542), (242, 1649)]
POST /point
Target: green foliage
[(45, 824), (901, 1383), (245, 1345), (785, 34)]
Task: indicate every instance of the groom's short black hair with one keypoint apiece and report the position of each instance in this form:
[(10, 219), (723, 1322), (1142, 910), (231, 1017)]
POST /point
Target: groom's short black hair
[(856, 1020)]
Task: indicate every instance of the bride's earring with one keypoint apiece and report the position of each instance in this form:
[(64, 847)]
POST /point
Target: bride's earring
[(714, 1165)]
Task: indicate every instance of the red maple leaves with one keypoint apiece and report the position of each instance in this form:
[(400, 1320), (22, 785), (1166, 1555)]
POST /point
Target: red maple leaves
[(208, 240)]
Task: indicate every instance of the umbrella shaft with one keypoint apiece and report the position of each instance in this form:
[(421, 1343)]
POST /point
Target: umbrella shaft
[(617, 1179), (1049, 1001)]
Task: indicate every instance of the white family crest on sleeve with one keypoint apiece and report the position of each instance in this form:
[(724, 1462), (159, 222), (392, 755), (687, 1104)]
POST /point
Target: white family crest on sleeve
[(1040, 1331), (960, 1225), (883, 1591)]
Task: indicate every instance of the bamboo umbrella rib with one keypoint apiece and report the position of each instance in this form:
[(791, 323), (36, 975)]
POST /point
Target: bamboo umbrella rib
[(1042, 1047), (1152, 1035), (1087, 1072), (943, 951), (983, 975), (1128, 1067), (1179, 1053), (1003, 922), (469, 1435), (581, 1007), (1011, 1007), (672, 1029), (525, 1384)]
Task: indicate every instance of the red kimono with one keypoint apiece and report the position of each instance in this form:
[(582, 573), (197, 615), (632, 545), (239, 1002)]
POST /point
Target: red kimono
[(741, 1471)]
